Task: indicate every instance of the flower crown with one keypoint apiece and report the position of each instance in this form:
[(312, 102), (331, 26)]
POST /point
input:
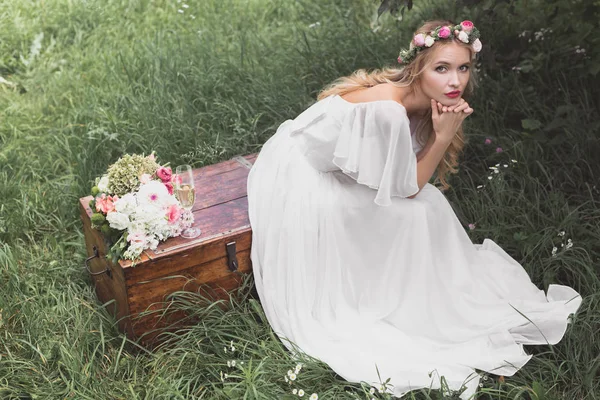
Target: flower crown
[(465, 32)]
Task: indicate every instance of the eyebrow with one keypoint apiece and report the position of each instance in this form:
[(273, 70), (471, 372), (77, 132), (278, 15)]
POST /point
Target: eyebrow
[(448, 62)]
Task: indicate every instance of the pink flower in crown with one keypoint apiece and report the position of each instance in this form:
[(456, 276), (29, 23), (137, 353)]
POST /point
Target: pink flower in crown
[(164, 174), (467, 25), (444, 32), (399, 62), (173, 213), (169, 186), (419, 39)]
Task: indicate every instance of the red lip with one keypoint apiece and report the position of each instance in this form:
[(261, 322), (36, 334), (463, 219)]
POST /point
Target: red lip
[(453, 94)]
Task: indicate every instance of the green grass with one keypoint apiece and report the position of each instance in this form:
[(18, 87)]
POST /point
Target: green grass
[(118, 76)]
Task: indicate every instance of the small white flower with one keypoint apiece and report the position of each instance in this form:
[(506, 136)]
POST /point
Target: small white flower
[(294, 391), (314, 396), (479, 186), (180, 11), (185, 6), (289, 372), (513, 161), (300, 392), (118, 220), (505, 166), (315, 25), (496, 171), (561, 233), (554, 249), (286, 378), (463, 37), (476, 45), (226, 376), (229, 363), (103, 184), (429, 41), (372, 391), (233, 363), (292, 376), (489, 177), (225, 349)]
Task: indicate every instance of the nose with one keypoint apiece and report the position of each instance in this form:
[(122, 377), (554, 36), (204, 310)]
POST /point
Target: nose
[(454, 80)]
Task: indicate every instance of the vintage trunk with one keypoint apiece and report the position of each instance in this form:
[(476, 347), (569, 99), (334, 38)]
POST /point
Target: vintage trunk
[(217, 260)]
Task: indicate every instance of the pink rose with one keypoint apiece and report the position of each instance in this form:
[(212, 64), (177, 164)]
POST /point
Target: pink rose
[(164, 174), (399, 60), (444, 32), (173, 214), (467, 25), (169, 186), (137, 237), (419, 40)]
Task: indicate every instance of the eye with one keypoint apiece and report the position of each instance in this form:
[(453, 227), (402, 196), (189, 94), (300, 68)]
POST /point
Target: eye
[(441, 68), (464, 68)]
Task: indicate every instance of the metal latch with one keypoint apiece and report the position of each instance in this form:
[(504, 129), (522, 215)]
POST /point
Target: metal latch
[(232, 261)]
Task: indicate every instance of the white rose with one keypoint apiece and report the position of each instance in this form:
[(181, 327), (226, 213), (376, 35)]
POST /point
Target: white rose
[(126, 204), (429, 41), (118, 220), (463, 37), (103, 184), (476, 46)]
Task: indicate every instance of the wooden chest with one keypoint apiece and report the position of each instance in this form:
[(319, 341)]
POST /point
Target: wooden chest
[(214, 263)]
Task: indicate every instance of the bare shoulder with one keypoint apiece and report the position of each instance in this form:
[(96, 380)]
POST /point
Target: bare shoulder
[(382, 91)]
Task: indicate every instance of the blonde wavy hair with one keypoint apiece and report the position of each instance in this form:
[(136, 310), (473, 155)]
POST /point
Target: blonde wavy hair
[(410, 76)]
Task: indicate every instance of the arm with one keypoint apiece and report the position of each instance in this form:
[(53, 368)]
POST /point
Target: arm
[(428, 159)]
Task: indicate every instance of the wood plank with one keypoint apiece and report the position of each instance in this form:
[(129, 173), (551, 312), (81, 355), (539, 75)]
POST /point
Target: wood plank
[(214, 222), (216, 189), (178, 261), (142, 294)]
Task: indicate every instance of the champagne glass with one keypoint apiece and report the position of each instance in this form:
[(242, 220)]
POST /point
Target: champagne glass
[(186, 194)]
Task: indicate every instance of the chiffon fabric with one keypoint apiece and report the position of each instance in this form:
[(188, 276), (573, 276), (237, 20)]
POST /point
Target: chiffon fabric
[(351, 271)]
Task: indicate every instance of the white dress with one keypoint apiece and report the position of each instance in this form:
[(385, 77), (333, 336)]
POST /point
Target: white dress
[(353, 273)]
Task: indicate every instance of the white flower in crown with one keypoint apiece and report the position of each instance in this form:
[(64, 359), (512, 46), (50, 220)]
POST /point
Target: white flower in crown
[(429, 41), (463, 37), (476, 45)]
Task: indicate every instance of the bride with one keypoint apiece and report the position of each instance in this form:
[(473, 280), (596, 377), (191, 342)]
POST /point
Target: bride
[(360, 262)]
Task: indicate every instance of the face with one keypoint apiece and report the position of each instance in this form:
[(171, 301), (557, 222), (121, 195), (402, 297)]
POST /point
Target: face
[(446, 77)]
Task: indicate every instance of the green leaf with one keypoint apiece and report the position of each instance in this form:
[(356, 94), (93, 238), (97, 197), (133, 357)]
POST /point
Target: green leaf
[(530, 124)]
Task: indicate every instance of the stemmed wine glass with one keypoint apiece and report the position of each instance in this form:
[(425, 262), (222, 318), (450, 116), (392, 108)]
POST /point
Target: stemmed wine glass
[(186, 194)]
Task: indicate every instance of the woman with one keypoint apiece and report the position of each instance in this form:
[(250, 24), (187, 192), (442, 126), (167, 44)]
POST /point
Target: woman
[(360, 262)]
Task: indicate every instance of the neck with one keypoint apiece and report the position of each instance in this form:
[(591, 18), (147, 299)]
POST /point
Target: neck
[(415, 103)]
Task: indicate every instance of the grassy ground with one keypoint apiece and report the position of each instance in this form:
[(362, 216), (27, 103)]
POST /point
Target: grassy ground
[(89, 80)]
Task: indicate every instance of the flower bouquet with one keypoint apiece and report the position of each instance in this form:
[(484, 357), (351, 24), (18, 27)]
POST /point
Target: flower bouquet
[(134, 206)]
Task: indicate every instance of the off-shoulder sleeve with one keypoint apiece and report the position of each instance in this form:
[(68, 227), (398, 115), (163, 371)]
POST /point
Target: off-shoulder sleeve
[(375, 148)]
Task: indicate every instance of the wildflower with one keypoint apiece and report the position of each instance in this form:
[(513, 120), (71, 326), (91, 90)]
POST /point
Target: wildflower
[(381, 388), (185, 6), (180, 11), (489, 177), (292, 376), (228, 363), (488, 141), (479, 186), (314, 396), (569, 244), (294, 391), (471, 226), (498, 149), (561, 233), (300, 392), (233, 363), (554, 249), (372, 391), (481, 385), (513, 161), (505, 166), (286, 378)]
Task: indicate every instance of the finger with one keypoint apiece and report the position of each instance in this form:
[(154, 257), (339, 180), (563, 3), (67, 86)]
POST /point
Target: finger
[(468, 111), (434, 109), (461, 107), (439, 106), (445, 109)]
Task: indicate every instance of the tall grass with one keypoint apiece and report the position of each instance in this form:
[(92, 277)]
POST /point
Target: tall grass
[(215, 80)]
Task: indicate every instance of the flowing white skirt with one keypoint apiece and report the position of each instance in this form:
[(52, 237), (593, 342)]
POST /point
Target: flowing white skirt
[(400, 290)]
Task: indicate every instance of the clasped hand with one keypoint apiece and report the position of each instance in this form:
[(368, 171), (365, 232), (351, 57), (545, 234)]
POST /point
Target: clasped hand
[(447, 119)]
